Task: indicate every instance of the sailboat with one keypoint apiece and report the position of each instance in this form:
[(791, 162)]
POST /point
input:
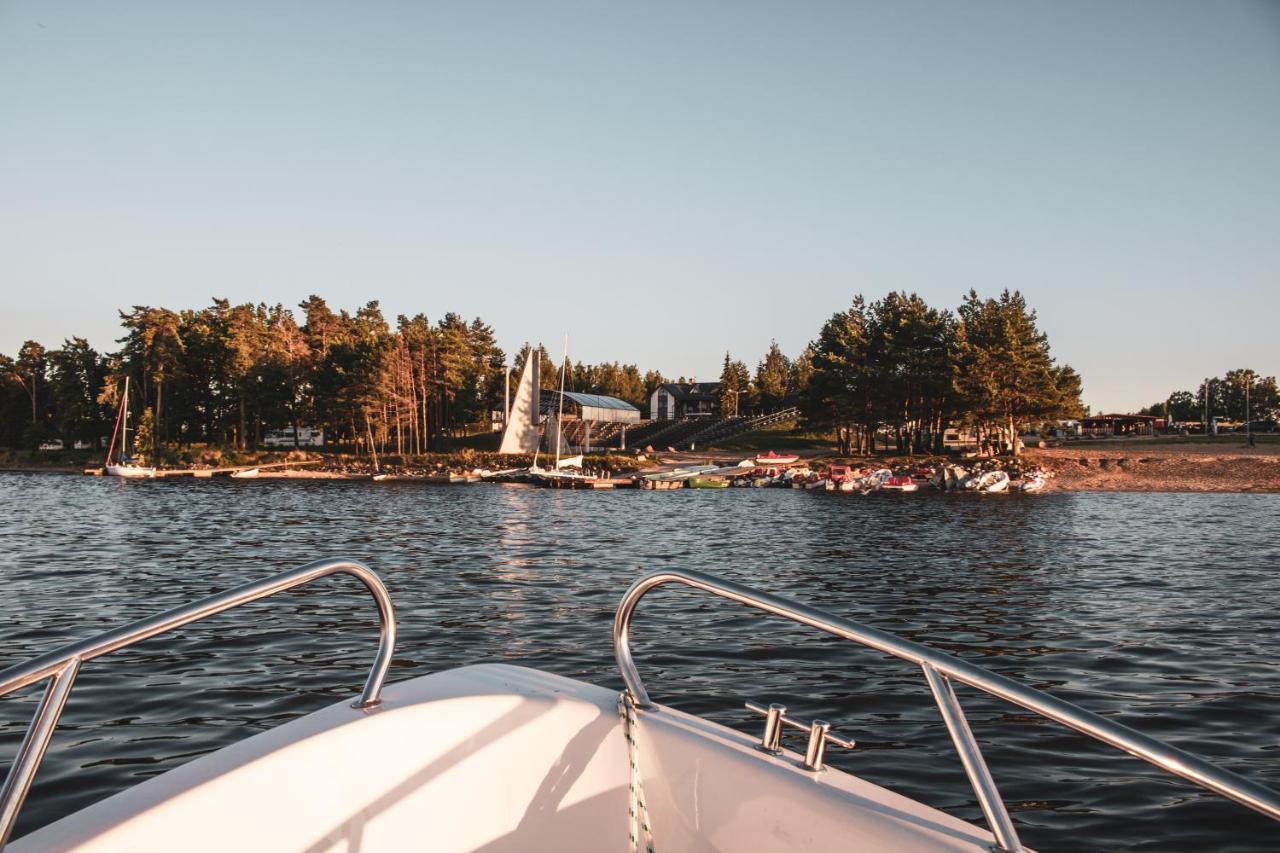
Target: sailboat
[(520, 433), (125, 467), (557, 477)]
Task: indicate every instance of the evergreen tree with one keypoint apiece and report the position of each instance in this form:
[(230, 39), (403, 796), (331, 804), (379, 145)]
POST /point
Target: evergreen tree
[(728, 400), (839, 396), (144, 435), (1007, 376), (76, 375), (773, 375)]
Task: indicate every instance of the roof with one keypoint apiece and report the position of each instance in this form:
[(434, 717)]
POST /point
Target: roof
[(692, 390), (596, 401), (599, 401)]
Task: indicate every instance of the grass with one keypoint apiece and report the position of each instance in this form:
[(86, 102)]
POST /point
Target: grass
[(778, 437), (51, 459)]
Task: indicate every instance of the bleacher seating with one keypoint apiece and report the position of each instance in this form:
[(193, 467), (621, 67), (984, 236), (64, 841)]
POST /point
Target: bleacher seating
[(680, 434)]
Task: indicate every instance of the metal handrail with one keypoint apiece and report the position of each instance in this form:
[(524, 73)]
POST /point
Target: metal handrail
[(940, 669), (61, 665)]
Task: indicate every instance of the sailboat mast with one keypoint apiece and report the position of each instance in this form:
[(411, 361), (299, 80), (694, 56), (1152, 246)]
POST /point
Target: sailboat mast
[(124, 428), (560, 413)]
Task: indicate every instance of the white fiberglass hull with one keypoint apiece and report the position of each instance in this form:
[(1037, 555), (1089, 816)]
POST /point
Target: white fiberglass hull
[(994, 483), (132, 472), (499, 758)]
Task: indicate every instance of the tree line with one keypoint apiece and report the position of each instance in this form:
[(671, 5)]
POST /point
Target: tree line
[(896, 368), (1240, 395), (226, 374), (902, 371)]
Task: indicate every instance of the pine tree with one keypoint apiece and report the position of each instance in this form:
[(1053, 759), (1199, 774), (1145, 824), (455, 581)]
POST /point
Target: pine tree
[(728, 399), (773, 374), (1007, 375)]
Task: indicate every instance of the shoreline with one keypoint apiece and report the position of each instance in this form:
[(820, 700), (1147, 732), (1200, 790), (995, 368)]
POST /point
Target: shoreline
[(1101, 474), (1138, 466)]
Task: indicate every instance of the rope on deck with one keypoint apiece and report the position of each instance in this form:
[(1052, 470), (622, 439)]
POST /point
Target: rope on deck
[(637, 808)]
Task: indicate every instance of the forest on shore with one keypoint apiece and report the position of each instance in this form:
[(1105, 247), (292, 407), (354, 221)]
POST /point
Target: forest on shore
[(225, 374)]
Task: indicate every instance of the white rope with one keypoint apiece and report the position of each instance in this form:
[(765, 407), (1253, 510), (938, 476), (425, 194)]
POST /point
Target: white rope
[(637, 808)]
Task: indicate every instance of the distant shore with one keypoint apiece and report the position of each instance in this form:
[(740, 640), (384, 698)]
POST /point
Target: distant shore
[(1128, 466)]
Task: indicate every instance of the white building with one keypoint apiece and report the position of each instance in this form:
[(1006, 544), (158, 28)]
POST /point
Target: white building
[(676, 400), (307, 437)]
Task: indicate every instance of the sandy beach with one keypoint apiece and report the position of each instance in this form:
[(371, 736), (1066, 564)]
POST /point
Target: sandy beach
[(1169, 468)]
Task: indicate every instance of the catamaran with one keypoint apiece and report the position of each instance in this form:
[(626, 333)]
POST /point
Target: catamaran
[(125, 467), (497, 757)]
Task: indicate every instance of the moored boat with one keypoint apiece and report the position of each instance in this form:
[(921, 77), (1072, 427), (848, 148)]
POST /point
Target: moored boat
[(899, 484), (130, 471), (126, 467)]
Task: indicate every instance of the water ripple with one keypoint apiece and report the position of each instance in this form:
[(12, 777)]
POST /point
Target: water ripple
[(1154, 609)]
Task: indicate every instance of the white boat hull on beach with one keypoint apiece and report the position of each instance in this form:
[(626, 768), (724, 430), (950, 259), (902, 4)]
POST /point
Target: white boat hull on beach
[(993, 482)]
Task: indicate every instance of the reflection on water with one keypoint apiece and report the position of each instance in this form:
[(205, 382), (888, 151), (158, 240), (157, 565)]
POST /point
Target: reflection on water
[(1156, 609)]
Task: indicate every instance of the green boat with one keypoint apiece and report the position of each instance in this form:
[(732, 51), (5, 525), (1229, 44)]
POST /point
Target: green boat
[(707, 483)]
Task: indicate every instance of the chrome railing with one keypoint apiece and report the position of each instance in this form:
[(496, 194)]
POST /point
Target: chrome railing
[(940, 669), (60, 666)]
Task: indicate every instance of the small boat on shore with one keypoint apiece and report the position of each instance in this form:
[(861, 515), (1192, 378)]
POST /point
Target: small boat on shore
[(680, 473), (661, 485), (707, 483), (1034, 481), (776, 459), (248, 474), (993, 482), (899, 484)]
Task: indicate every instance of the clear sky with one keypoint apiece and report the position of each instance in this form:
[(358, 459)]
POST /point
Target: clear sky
[(663, 181)]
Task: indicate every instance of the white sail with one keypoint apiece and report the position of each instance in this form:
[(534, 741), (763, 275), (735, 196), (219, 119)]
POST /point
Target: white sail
[(551, 442), (520, 435)]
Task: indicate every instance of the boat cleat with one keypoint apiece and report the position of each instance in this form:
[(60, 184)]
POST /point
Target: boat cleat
[(775, 718)]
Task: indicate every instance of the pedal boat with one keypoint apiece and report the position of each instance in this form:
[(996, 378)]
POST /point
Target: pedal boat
[(497, 758)]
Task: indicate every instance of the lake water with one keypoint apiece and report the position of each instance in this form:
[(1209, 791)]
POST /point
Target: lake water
[(1159, 610)]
